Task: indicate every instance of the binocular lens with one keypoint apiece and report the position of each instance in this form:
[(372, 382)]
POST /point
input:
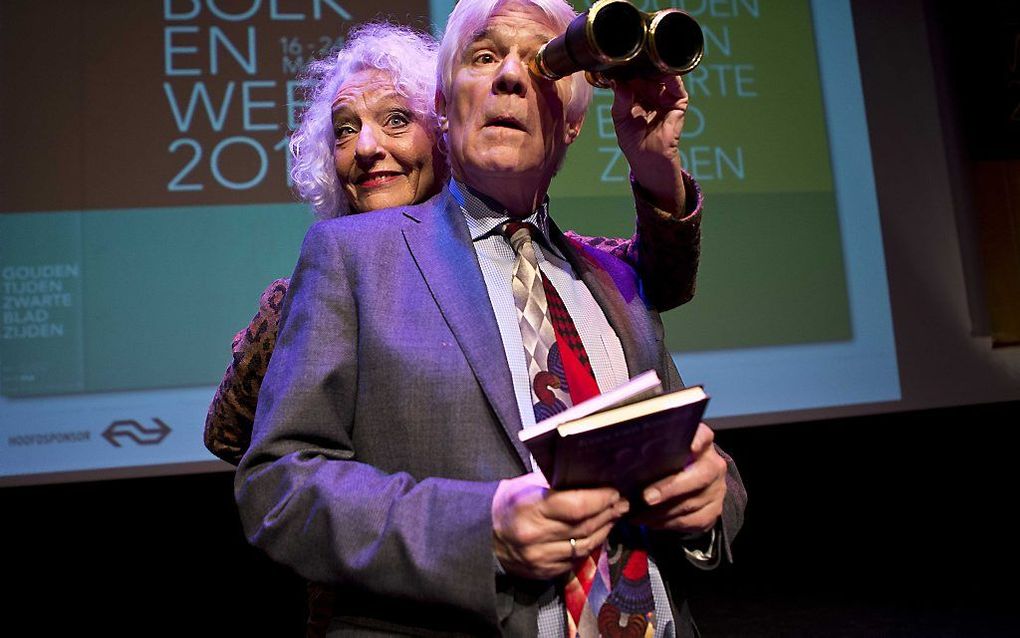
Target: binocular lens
[(615, 39), (618, 31), (675, 42), (610, 32)]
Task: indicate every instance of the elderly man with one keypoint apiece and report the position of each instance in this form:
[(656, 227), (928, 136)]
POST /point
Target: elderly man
[(385, 459)]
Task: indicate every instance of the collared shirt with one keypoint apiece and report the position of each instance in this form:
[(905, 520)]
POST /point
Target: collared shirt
[(485, 219)]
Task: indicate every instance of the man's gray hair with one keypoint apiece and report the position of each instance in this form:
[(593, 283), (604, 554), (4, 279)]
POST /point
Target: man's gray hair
[(469, 18)]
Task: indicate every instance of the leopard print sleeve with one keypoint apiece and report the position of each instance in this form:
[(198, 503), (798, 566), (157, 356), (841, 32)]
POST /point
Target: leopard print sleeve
[(665, 250), (228, 424)]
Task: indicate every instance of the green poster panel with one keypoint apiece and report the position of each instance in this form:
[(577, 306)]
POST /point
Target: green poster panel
[(41, 274), (135, 298)]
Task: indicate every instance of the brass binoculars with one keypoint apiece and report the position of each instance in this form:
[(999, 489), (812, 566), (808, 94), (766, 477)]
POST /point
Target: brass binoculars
[(615, 40)]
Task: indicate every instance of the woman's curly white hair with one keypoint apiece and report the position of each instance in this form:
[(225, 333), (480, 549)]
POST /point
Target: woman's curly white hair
[(409, 56)]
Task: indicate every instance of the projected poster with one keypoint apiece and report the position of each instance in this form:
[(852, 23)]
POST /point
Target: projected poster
[(145, 205), (172, 126), (755, 139)]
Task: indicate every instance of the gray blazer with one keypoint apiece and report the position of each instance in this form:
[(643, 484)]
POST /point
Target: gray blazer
[(387, 418)]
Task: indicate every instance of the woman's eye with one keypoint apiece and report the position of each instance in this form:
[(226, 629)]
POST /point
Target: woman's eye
[(398, 120), (344, 130), (484, 58)]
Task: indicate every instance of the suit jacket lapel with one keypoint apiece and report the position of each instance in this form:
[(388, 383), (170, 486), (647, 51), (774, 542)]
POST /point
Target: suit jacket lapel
[(616, 289), (441, 247)]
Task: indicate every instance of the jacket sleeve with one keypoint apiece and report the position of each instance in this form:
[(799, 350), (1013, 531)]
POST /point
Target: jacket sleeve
[(673, 549), (304, 497), (664, 249), (231, 414)]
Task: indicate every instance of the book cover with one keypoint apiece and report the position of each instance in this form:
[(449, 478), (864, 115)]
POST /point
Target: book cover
[(626, 447), (541, 437)]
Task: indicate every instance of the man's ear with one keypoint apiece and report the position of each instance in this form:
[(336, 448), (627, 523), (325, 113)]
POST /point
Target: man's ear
[(573, 129), (444, 123)]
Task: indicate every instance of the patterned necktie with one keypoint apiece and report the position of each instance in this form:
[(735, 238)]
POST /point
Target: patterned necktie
[(608, 593), (558, 366)]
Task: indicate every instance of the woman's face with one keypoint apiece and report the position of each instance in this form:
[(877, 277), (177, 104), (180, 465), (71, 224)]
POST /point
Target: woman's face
[(383, 153)]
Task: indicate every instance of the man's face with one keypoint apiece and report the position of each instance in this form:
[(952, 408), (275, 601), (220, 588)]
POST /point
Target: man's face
[(504, 122)]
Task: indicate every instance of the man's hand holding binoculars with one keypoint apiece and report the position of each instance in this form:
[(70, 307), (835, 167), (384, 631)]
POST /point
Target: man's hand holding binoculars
[(649, 117)]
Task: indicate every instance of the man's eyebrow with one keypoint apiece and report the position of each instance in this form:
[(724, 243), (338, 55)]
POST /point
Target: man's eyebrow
[(485, 33), (493, 36)]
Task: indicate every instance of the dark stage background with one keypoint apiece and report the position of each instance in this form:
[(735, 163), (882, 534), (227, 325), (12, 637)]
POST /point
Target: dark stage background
[(890, 525)]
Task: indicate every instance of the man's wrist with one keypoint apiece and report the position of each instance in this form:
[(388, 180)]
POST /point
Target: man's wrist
[(649, 207), (702, 549)]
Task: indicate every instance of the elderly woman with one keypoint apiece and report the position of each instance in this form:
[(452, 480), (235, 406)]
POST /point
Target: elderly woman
[(370, 140)]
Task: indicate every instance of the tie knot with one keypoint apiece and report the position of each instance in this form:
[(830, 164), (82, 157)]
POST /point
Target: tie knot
[(518, 233)]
